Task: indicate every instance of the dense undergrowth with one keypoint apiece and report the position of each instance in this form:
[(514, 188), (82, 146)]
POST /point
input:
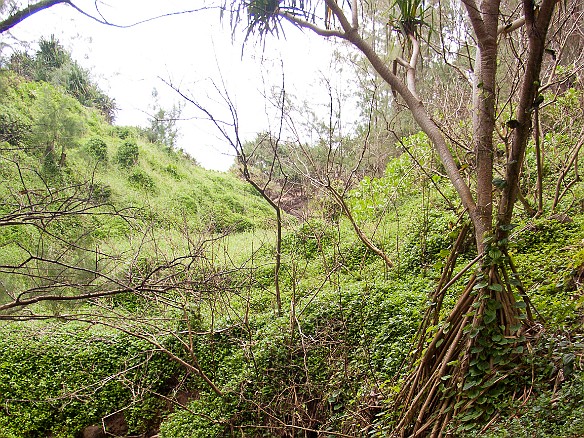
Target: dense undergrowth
[(329, 363)]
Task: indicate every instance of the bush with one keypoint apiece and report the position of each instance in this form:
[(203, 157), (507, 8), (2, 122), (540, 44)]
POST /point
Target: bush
[(56, 380), (427, 237), (123, 132), (97, 148), (127, 154), (142, 180), (174, 172), (309, 240), (184, 424), (13, 127), (100, 193)]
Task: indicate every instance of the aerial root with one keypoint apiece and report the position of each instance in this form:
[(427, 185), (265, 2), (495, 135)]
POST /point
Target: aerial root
[(432, 394)]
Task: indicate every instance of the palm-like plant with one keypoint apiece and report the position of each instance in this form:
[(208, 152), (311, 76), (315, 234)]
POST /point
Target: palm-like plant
[(409, 16), (264, 16), (51, 53)]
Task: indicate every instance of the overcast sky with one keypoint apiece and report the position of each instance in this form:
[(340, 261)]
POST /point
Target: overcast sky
[(192, 51)]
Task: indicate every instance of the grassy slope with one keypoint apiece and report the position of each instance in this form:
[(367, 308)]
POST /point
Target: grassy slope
[(168, 182)]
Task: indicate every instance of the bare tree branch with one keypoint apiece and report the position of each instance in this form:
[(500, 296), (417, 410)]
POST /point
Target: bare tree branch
[(28, 11)]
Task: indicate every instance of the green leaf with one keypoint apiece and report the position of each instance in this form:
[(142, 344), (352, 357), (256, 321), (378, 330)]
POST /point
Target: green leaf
[(490, 316), (515, 328), (497, 337), (496, 287), (508, 227), (500, 183), (480, 285), (484, 366)]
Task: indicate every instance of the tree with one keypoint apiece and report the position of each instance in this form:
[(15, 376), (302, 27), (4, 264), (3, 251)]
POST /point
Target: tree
[(53, 63), (162, 127), (264, 184), (488, 306), (58, 126)]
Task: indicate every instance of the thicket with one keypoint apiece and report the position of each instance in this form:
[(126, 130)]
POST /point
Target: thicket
[(56, 379)]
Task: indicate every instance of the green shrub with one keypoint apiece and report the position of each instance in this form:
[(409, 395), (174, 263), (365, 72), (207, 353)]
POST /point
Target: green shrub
[(55, 380), (14, 129), (140, 179), (128, 152), (123, 132), (544, 231), (355, 254), (100, 193), (174, 172), (311, 238), (204, 423), (97, 148)]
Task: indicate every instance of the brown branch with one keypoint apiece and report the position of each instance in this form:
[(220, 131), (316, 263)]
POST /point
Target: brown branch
[(416, 107), (537, 28), (571, 160), (510, 27), (297, 21), (28, 11), (368, 243)]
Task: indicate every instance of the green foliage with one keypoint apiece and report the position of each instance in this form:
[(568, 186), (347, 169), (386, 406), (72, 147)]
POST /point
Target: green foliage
[(262, 15), (354, 255), (53, 64), (127, 154), (173, 171), (204, 423), (409, 16), (401, 180), (163, 128), (548, 252), (14, 127), (57, 126), (23, 64), (347, 322), (543, 232), (55, 380), (309, 240), (428, 236), (123, 132), (101, 193), (50, 56), (97, 148), (554, 410), (142, 180)]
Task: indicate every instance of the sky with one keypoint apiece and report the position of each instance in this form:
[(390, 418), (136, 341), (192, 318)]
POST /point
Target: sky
[(193, 51)]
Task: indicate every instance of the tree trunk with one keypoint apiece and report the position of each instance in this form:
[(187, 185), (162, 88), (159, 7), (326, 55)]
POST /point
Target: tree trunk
[(537, 26), (484, 118)]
